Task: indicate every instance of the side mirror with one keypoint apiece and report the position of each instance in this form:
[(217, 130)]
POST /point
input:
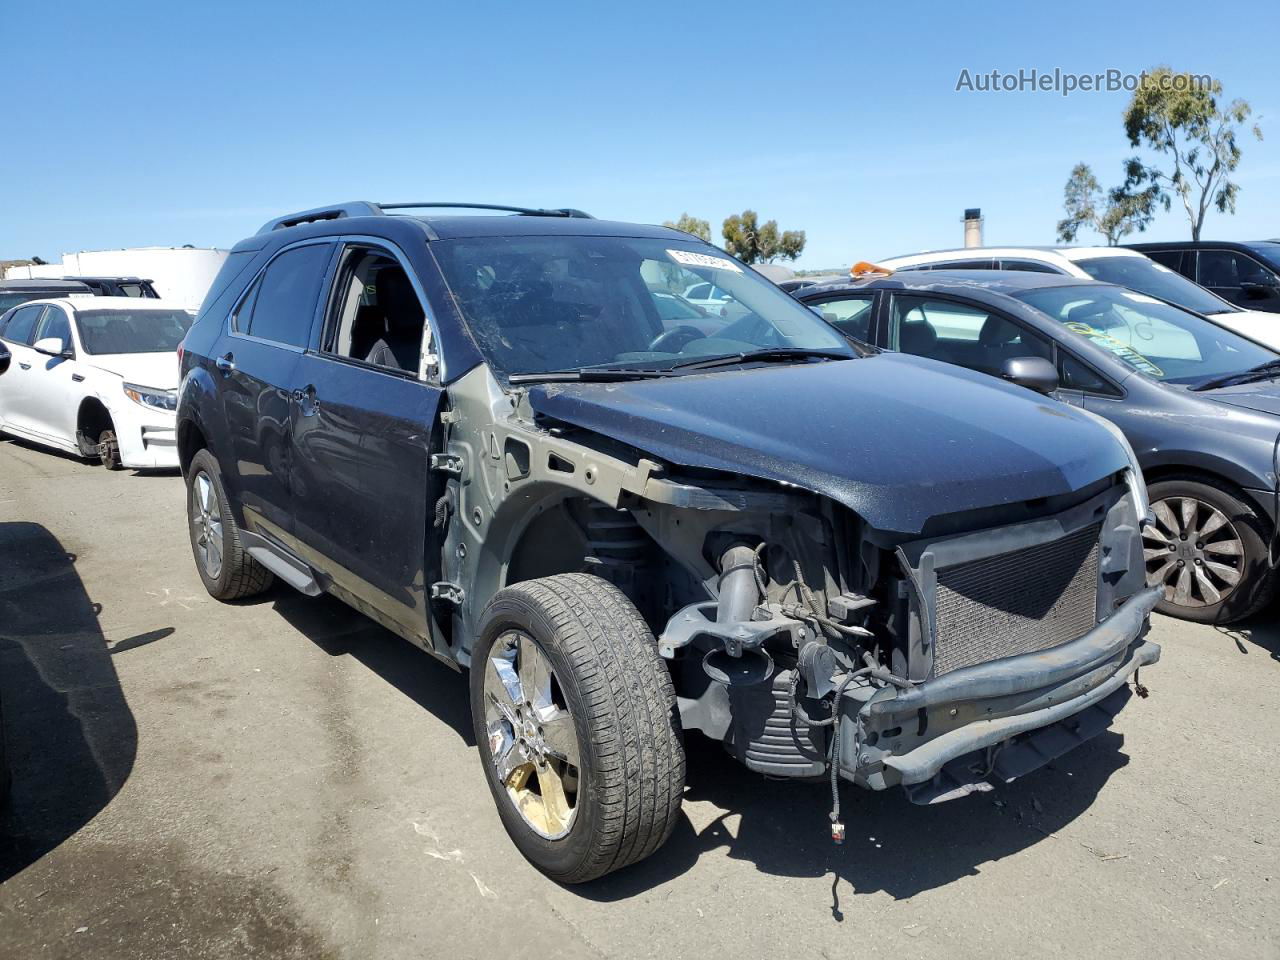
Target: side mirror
[(4, 358), (1258, 289), (52, 347), (1034, 373)]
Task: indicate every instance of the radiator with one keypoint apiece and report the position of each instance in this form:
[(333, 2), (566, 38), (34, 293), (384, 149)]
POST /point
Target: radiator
[(1029, 599)]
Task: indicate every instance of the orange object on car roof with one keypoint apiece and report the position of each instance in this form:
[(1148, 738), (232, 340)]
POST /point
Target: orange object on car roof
[(864, 269)]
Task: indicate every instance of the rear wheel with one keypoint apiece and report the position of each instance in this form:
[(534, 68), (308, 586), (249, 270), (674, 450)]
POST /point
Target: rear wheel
[(576, 723), (225, 567), (1208, 550)]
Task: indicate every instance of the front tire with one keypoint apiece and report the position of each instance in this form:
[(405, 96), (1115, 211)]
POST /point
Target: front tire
[(1208, 549), (576, 723), (225, 567)]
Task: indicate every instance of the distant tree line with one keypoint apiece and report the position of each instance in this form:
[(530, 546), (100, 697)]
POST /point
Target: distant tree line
[(746, 238)]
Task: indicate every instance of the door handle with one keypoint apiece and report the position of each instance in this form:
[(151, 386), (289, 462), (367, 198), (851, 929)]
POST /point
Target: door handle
[(78, 377), (226, 363), (24, 366)]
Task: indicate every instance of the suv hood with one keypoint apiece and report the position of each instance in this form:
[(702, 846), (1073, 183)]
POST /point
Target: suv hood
[(895, 438), (159, 370)]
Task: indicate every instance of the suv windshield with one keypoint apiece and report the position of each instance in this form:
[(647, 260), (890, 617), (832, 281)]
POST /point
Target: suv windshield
[(1152, 337), (1154, 279), (557, 303), (132, 331)]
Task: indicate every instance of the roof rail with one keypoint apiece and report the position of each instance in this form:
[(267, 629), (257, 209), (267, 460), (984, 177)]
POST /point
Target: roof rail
[(356, 208), (522, 211), (363, 208)]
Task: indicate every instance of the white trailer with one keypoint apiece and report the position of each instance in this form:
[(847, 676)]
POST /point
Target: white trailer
[(181, 275)]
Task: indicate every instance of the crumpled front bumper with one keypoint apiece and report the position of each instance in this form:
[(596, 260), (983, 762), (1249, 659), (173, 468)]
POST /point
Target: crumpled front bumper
[(944, 737)]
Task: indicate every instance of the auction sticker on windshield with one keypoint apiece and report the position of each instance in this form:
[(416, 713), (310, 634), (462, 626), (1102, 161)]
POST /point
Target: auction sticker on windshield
[(1122, 350), (703, 260)]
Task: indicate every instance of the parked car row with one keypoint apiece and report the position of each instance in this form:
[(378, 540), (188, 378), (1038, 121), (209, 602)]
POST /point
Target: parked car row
[(1128, 268), (637, 490)]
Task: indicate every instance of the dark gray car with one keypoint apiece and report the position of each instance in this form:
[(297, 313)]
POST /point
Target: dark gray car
[(1199, 403)]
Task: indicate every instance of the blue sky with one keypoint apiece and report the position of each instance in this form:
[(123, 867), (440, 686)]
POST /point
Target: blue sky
[(167, 123)]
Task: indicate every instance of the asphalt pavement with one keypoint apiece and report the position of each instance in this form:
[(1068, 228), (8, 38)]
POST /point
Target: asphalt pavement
[(282, 778)]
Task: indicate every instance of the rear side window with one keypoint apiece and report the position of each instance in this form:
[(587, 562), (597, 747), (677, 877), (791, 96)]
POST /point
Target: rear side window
[(231, 268), (283, 302), (22, 325)]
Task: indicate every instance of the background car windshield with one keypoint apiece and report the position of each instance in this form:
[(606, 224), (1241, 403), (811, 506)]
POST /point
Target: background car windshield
[(1154, 338), (538, 304), (132, 331), (1147, 276)]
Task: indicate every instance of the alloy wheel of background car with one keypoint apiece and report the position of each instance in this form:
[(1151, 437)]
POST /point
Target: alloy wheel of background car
[(1194, 551), (1207, 550), (532, 743)]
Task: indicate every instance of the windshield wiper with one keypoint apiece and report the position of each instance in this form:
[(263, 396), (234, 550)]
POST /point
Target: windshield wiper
[(614, 374), (766, 355), (590, 375), (1262, 371)]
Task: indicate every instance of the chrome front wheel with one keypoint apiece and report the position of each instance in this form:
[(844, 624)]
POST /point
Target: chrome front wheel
[(533, 745)]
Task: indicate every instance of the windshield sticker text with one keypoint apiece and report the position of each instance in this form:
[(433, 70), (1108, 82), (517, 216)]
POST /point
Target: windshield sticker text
[(1121, 350), (703, 260)]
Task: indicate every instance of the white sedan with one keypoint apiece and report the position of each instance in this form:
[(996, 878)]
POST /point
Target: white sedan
[(94, 376)]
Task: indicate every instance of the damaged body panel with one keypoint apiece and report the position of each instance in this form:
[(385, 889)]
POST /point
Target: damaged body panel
[(895, 438), (839, 563)]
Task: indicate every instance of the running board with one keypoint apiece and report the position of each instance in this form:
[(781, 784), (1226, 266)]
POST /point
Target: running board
[(284, 565)]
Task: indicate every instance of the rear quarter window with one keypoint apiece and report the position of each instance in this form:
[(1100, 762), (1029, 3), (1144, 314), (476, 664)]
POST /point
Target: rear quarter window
[(230, 271)]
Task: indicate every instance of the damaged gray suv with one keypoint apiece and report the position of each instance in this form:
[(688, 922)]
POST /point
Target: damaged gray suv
[(485, 432)]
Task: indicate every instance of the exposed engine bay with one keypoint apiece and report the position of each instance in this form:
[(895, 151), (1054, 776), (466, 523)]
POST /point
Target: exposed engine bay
[(809, 642)]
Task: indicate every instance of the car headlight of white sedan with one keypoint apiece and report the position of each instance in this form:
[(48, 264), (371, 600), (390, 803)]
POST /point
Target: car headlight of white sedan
[(152, 397)]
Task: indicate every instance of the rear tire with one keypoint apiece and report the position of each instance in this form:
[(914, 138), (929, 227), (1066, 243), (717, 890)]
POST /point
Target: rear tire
[(225, 567), (1208, 548), (608, 683)]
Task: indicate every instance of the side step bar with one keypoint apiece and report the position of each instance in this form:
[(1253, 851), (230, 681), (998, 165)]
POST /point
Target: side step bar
[(282, 563)]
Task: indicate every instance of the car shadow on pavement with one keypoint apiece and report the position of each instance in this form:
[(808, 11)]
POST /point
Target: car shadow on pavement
[(340, 631), (892, 846), (70, 736)]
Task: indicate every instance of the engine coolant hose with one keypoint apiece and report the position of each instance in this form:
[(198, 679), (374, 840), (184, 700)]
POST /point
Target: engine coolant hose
[(739, 591)]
